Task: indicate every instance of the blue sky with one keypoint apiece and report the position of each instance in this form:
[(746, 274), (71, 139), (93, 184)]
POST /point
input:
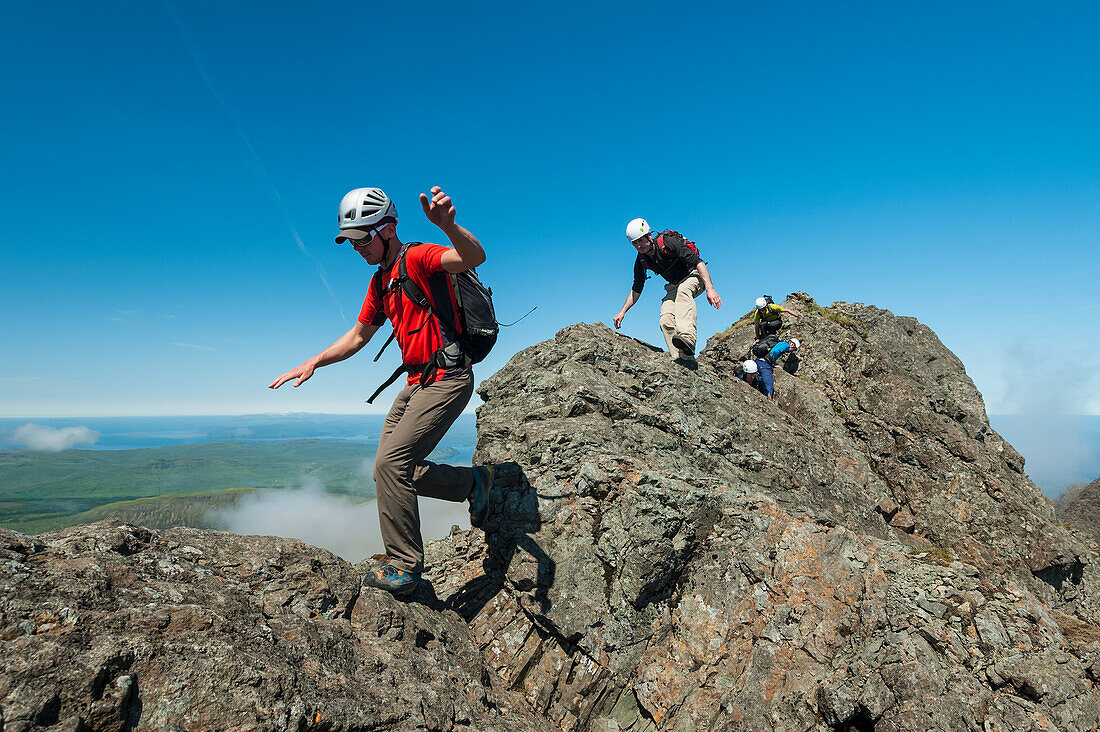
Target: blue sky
[(159, 163)]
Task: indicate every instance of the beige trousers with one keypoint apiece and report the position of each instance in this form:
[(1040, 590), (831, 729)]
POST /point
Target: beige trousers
[(417, 421), (678, 312)]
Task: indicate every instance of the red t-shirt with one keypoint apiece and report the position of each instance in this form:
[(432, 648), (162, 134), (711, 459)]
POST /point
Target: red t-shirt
[(418, 331)]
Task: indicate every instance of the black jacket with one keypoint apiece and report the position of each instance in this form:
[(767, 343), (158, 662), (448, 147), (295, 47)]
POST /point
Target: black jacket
[(674, 266)]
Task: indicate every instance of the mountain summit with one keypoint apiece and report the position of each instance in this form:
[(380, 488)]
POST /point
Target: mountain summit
[(668, 549)]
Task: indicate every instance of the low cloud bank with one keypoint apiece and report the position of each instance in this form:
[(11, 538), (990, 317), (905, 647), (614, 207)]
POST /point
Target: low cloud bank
[(1058, 449), (52, 439), (1042, 411), (329, 521), (1037, 380)]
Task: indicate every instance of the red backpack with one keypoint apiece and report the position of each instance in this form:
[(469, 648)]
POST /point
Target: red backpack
[(674, 234)]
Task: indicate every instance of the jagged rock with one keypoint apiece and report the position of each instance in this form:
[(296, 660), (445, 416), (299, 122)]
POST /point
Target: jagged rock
[(668, 550), (671, 550), (113, 627), (1079, 506)]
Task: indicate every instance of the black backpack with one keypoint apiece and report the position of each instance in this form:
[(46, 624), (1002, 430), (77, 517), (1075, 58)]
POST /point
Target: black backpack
[(475, 315), (764, 346)]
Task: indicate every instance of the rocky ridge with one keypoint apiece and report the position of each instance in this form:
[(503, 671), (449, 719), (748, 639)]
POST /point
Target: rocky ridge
[(669, 550), (1079, 506), (113, 627)]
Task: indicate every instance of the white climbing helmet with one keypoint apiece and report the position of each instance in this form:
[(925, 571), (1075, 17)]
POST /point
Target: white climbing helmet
[(761, 303), (795, 344), (749, 367), (362, 209), (636, 229)]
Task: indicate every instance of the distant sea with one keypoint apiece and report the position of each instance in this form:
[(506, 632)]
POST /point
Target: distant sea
[(1059, 450), (132, 433)]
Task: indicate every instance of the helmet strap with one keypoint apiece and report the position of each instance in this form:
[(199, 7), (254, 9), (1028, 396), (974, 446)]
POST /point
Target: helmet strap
[(386, 243)]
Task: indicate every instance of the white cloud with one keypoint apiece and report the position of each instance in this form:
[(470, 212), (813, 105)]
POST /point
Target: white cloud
[(41, 437), (1043, 376), (192, 345), (330, 521)]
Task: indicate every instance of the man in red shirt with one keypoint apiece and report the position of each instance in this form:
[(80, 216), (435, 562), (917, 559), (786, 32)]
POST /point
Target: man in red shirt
[(433, 397)]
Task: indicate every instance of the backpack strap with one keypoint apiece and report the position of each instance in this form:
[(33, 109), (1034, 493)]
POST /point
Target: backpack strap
[(405, 282), (661, 244), (415, 294), (393, 334), (412, 291), (393, 377)]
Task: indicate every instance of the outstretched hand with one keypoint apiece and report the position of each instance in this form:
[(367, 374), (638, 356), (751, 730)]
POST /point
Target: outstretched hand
[(439, 209), (302, 374), (619, 320)]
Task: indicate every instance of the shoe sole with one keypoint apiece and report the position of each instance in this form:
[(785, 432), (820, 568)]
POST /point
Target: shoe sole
[(406, 589), (477, 521), (682, 345)]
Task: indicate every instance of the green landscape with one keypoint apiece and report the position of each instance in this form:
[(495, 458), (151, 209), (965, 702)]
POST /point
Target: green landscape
[(170, 486)]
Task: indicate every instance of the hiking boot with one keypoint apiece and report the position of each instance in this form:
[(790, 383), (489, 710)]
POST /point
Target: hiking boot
[(479, 495), (394, 580), (679, 342)]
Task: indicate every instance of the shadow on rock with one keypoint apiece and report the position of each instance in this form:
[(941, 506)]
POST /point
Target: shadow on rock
[(513, 520)]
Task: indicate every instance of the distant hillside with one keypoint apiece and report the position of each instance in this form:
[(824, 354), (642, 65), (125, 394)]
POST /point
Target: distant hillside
[(195, 510), (42, 491)]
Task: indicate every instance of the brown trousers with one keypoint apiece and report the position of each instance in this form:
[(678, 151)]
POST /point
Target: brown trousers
[(417, 421), (678, 311)]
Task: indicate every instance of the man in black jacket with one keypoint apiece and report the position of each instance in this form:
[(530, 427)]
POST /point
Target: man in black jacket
[(675, 260)]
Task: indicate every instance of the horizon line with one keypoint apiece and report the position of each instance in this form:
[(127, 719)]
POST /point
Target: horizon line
[(382, 414), (210, 414)]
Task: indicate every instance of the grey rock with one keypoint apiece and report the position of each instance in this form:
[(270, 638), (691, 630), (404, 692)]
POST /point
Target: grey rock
[(702, 558), (117, 627), (667, 550)]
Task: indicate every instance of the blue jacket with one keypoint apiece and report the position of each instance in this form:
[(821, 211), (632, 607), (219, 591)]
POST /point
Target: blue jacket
[(778, 350), (765, 376), (764, 381)]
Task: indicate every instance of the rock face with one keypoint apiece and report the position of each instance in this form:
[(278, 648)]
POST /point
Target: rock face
[(113, 627), (674, 551), (668, 550), (1079, 507)]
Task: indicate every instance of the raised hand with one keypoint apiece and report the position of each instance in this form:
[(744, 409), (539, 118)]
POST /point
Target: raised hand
[(439, 209)]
